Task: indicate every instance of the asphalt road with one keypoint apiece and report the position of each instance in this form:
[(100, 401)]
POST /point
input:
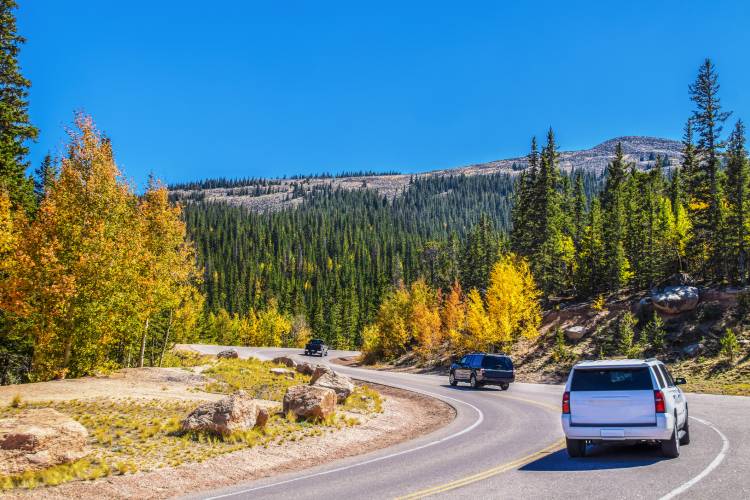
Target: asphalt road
[(507, 444)]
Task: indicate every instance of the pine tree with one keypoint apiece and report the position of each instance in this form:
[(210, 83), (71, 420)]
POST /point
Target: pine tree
[(15, 127), (44, 176), (705, 190), (614, 222), (524, 220), (579, 212), (738, 206)]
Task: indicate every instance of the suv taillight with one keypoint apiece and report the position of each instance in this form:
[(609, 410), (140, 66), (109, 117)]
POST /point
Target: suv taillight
[(566, 403), (659, 402)]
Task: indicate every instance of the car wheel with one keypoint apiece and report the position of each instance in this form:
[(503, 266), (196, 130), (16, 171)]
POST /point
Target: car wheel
[(473, 382), (504, 386), (576, 447), (671, 447), (452, 379), (685, 438)]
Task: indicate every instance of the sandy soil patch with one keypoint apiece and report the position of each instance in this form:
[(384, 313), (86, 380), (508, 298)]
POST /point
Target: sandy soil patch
[(149, 383), (405, 415)]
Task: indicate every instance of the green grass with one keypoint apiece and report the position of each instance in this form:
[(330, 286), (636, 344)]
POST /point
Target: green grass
[(252, 376)]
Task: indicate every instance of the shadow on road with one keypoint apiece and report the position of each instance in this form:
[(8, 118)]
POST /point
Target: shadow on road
[(468, 388), (599, 457)]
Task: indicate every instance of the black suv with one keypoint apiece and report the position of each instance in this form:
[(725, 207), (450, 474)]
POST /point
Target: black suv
[(480, 369), (316, 346)]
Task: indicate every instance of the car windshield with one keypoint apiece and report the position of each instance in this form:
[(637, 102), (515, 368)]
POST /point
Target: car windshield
[(611, 379), (497, 363), (316, 341)]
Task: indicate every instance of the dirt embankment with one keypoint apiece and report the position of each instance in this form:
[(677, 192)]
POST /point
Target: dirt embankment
[(405, 415)]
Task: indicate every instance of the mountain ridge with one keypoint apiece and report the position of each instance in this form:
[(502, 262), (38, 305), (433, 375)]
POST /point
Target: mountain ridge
[(279, 193)]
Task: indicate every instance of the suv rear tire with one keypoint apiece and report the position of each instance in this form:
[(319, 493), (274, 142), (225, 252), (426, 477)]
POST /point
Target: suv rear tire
[(685, 439), (576, 447), (671, 447), (504, 386)]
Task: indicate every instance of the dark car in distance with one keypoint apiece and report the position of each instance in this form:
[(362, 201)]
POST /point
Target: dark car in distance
[(481, 368), (316, 346)]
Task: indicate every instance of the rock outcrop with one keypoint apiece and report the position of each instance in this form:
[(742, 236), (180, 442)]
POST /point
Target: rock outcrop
[(286, 361), (676, 299), (305, 368), (340, 384), (39, 438), (309, 401), (693, 350), (237, 412), (228, 354), (575, 332), (318, 372)]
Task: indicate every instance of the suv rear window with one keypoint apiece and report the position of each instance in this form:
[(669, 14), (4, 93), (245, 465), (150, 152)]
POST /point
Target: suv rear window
[(611, 379), (497, 363)]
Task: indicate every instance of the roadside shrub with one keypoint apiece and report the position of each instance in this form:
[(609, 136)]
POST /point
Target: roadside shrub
[(655, 333), (729, 344), (599, 303), (561, 352)]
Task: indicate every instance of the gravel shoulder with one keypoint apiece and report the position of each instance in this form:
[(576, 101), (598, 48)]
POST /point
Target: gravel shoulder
[(406, 415)]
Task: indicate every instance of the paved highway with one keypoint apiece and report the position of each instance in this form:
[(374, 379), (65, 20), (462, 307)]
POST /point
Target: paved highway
[(508, 444)]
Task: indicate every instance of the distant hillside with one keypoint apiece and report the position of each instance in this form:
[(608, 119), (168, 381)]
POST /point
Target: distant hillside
[(275, 194)]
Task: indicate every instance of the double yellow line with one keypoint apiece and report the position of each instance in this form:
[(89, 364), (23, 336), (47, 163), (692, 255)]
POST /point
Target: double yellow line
[(495, 470)]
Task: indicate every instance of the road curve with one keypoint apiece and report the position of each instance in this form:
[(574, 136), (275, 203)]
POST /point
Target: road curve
[(507, 444)]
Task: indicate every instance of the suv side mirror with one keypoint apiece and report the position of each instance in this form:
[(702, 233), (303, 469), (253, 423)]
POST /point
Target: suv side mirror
[(680, 381)]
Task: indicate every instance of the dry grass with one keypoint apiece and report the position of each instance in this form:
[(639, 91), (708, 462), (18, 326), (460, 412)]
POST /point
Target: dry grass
[(364, 400), (252, 376), (127, 436), (186, 359), (131, 435), (715, 375)]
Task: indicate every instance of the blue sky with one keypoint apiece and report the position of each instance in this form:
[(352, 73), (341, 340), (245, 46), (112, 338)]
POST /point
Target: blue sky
[(191, 89)]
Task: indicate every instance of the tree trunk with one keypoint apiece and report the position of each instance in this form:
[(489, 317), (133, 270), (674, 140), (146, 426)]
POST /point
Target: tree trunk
[(166, 338), (143, 343)]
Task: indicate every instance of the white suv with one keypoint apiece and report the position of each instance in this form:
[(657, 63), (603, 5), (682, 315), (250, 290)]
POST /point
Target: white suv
[(624, 400)]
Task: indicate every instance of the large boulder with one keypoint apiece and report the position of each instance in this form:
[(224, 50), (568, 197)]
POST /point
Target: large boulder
[(286, 361), (644, 309), (341, 384), (228, 354), (676, 299), (693, 350), (305, 368), (237, 412), (39, 438), (318, 372), (308, 401), (575, 332)]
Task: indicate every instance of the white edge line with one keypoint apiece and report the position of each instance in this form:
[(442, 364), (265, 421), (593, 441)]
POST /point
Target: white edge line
[(705, 472), (479, 420)]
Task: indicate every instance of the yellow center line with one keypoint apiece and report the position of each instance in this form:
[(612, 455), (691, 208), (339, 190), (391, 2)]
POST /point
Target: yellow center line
[(556, 446)]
